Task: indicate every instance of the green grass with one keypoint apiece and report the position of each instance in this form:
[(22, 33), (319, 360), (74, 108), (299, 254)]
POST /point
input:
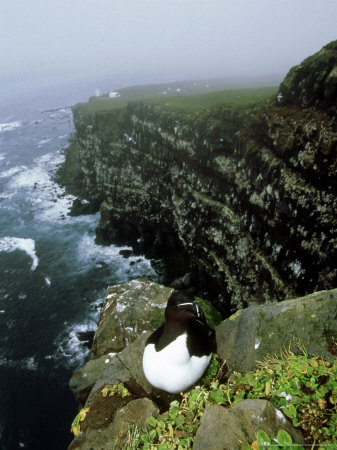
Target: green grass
[(229, 98), (187, 101)]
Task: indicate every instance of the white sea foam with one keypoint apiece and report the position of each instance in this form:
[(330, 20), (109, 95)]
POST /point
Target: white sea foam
[(43, 141), (2, 156), (12, 171), (89, 253), (29, 177), (9, 126), (7, 195), (9, 244), (26, 364), (48, 197), (70, 349)]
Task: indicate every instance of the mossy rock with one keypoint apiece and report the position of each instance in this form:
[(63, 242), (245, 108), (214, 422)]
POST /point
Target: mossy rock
[(314, 81), (263, 330)]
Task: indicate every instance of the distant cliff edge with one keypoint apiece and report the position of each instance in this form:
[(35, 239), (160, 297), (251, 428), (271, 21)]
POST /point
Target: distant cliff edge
[(242, 198)]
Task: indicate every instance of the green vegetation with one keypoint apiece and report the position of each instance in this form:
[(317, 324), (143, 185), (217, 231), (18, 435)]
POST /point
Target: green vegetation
[(283, 440), (213, 317), (228, 98), (304, 388), (179, 102), (119, 389), (76, 425)]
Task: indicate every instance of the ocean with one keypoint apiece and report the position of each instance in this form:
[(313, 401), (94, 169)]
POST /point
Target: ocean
[(53, 276)]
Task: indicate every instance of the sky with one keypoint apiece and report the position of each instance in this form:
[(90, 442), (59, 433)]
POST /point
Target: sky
[(158, 40)]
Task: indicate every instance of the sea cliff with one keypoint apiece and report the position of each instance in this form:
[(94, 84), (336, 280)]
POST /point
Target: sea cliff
[(240, 202), (243, 198)]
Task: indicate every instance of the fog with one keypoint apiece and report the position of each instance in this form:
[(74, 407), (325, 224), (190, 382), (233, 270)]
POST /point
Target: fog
[(159, 40)]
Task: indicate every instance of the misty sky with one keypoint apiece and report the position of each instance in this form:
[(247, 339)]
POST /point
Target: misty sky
[(160, 39)]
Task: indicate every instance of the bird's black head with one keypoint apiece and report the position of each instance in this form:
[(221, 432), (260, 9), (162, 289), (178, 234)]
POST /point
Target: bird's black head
[(181, 307)]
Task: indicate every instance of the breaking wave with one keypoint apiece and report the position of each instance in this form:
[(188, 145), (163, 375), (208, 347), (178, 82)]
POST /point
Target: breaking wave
[(9, 126), (71, 350), (89, 254), (10, 244)]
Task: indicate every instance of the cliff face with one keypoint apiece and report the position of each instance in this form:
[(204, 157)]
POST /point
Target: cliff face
[(246, 198)]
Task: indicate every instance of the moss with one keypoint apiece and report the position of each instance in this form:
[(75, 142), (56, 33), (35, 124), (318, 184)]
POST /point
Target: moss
[(235, 315)]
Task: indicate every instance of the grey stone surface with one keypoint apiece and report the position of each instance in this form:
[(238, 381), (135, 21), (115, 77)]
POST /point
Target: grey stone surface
[(128, 310), (250, 334), (226, 428)]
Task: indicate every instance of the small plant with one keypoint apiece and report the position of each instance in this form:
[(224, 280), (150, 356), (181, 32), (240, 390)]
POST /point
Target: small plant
[(212, 369), (111, 390), (283, 440), (76, 425)]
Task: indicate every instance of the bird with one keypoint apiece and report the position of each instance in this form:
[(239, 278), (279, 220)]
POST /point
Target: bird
[(177, 354)]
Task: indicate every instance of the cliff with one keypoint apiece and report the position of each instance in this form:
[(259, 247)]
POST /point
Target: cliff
[(241, 197)]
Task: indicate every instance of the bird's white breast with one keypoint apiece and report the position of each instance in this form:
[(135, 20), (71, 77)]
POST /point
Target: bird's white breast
[(173, 369)]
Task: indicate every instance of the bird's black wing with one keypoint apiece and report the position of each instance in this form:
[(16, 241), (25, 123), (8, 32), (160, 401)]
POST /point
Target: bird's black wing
[(199, 342), (155, 336)]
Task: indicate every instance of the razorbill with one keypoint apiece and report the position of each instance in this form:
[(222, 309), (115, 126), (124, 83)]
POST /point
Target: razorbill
[(178, 352)]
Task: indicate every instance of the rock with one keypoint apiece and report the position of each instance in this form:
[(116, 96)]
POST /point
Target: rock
[(257, 331), (183, 282), (83, 381), (314, 81), (226, 428), (115, 434), (86, 338), (125, 366), (128, 310), (126, 253)]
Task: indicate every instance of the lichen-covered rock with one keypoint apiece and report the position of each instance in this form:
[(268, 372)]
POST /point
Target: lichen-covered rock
[(84, 379), (125, 366), (314, 81), (114, 434), (255, 332), (128, 310), (228, 427)]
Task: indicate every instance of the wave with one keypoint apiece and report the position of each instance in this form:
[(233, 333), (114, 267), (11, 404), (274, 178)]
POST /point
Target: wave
[(71, 350), (25, 364), (12, 171), (43, 141), (10, 244), (9, 126), (51, 203), (2, 156), (89, 254)]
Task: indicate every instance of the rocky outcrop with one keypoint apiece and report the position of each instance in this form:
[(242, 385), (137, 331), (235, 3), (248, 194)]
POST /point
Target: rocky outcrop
[(229, 427), (129, 311), (243, 199), (258, 331), (314, 81)]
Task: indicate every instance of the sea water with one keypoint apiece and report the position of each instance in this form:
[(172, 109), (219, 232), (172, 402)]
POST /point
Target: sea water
[(53, 276)]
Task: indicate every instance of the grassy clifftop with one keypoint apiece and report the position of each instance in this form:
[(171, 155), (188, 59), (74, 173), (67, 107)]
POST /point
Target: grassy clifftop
[(179, 98)]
